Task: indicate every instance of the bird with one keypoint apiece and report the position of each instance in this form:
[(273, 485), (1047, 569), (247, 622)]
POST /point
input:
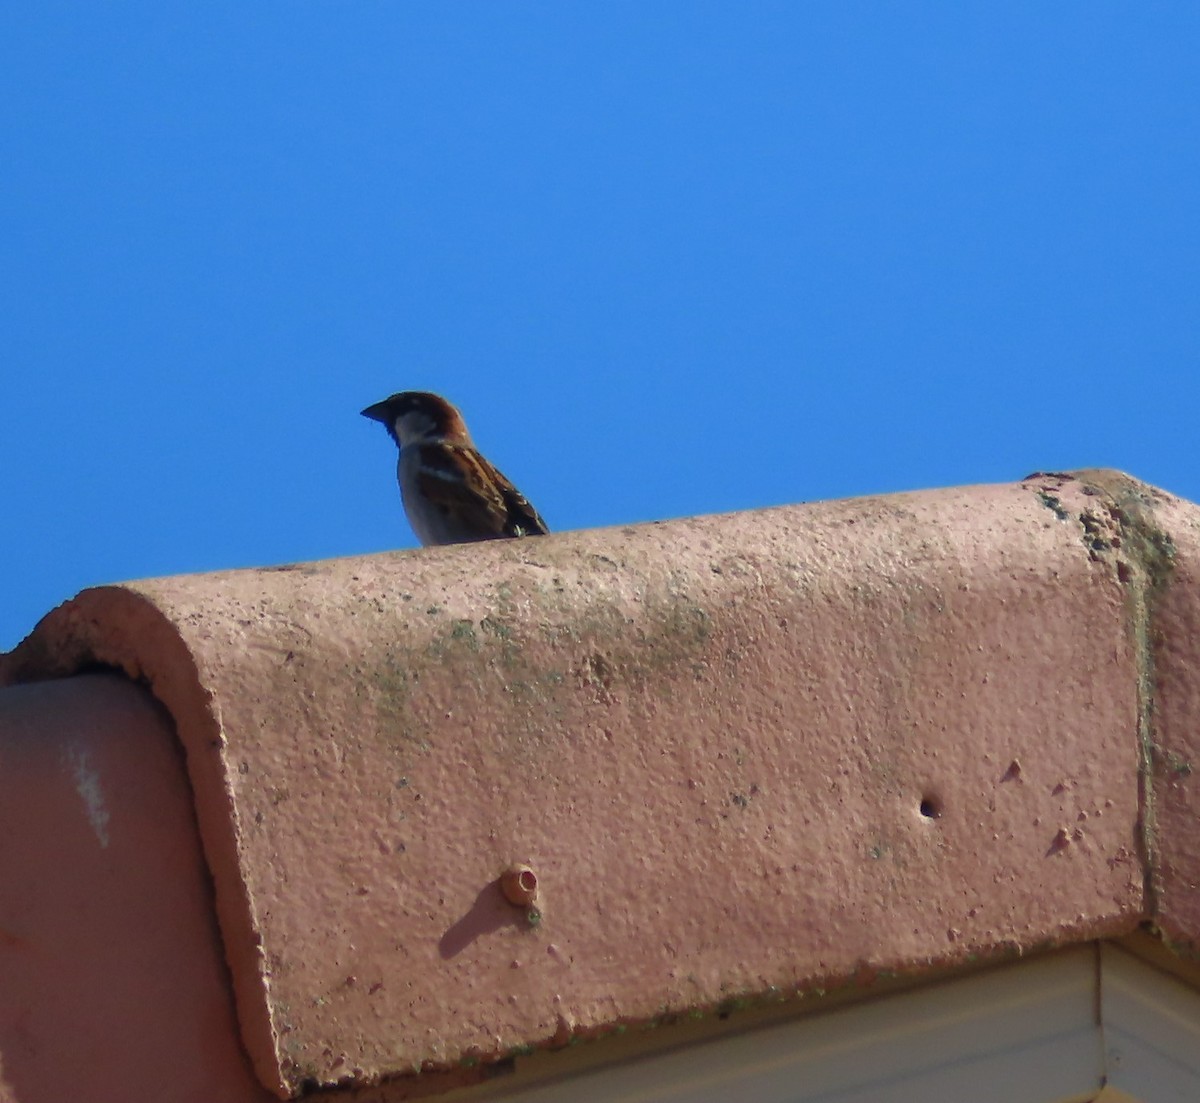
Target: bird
[(451, 493)]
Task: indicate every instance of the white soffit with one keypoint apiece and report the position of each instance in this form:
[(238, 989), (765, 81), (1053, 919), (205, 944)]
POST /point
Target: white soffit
[(1090, 1023), (1151, 1030)]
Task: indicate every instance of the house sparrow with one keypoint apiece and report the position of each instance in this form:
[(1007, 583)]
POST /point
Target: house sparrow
[(452, 495)]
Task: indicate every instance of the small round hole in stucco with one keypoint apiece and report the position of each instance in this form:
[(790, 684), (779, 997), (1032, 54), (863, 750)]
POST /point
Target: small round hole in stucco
[(931, 807)]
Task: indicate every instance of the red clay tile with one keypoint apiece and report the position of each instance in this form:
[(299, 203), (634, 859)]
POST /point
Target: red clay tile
[(115, 988), (740, 755)]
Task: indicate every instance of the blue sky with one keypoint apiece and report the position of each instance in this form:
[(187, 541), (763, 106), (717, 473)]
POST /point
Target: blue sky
[(669, 258)]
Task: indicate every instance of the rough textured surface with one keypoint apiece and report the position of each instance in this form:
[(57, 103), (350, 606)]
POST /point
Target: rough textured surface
[(1174, 789), (741, 754), (114, 987)]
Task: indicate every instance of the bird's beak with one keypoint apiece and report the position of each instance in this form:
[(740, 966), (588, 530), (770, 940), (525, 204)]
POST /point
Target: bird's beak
[(378, 412)]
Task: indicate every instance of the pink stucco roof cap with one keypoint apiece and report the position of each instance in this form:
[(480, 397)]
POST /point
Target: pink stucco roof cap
[(717, 758)]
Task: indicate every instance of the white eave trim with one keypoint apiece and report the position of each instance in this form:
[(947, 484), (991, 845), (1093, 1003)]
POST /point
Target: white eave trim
[(1093, 1023)]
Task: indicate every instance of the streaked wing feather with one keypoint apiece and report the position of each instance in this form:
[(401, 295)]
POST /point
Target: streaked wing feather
[(523, 519), (485, 503)]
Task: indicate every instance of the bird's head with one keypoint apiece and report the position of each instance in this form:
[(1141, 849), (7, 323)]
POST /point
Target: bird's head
[(415, 417)]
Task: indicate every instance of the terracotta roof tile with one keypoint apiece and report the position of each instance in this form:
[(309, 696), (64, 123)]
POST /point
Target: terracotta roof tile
[(742, 755)]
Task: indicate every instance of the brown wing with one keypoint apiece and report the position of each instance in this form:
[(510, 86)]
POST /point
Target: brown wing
[(522, 519), (484, 505)]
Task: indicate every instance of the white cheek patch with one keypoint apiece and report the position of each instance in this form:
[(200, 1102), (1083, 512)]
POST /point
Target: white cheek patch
[(412, 426)]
